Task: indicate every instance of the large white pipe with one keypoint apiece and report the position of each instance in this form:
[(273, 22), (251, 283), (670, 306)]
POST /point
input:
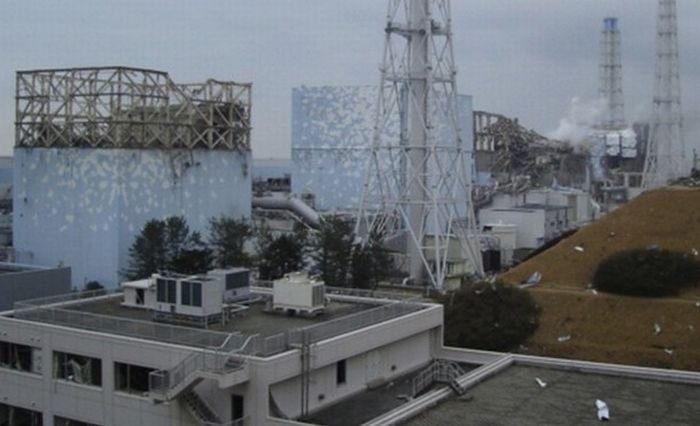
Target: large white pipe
[(294, 205)]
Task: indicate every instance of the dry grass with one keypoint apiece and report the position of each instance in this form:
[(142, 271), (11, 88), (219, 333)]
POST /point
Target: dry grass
[(610, 328)]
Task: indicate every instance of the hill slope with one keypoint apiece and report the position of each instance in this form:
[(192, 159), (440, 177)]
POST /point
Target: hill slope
[(610, 328)]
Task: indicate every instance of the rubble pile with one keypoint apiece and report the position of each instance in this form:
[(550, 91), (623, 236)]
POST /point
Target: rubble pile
[(525, 156)]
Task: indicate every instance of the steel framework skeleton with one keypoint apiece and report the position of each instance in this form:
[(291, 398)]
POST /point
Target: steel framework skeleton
[(417, 194), (118, 107), (666, 156), (611, 76)]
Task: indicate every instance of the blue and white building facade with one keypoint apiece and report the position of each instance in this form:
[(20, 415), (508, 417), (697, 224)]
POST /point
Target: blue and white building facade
[(332, 130), (83, 207)]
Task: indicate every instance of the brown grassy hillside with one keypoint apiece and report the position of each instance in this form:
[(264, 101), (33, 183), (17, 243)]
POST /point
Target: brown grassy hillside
[(669, 218), (613, 328)]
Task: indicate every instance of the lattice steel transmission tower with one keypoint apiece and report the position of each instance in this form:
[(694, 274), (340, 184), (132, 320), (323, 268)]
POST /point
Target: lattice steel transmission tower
[(417, 194), (611, 76), (666, 156)]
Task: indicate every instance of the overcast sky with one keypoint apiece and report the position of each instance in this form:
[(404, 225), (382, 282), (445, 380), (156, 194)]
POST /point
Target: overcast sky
[(521, 58)]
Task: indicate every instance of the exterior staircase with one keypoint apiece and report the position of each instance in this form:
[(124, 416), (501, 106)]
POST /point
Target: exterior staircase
[(199, 409), (226, 368)]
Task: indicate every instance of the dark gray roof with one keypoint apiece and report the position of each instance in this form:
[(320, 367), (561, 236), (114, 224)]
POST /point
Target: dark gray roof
[(513, 397)]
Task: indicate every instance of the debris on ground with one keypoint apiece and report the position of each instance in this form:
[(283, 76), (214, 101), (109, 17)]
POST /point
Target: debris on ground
[(541, 382), (668, 351), (657, 329), (603, 410), (565, 293), (533, 280), (562, 339), (579, 249)]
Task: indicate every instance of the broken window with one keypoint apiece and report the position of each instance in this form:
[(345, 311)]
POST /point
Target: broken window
[(11, 415), (62, 421), (131, 378), (16, 356), (77, 368)]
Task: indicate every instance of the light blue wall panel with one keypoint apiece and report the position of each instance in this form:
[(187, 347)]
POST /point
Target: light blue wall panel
[(83, 207), (331, 138)]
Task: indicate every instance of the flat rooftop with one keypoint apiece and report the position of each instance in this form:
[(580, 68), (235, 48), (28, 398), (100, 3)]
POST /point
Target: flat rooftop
[(273, 332), (371, 403), (254, 320), (513, 397)]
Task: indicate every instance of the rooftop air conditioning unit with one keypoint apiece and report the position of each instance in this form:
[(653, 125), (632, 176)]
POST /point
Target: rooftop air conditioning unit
[(236, 283), (297, 293)]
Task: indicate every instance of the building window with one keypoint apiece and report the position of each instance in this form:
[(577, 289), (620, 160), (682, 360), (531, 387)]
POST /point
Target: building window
[(77, 368), (191, 293), (341, 372), (166, 291), (17, 357), (10, 415), (131, 378), (62, 421)]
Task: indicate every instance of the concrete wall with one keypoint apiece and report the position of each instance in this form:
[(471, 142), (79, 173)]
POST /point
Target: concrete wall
[(530, 224), (98, 405), (33, 283), (379, 352), (83, 207)]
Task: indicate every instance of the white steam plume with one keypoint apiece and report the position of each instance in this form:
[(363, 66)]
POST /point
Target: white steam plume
[(580, 120)]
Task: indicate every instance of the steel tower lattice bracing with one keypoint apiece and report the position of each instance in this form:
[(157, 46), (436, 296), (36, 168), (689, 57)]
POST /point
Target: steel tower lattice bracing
[(666, 156), (610, 90), (417, 193)]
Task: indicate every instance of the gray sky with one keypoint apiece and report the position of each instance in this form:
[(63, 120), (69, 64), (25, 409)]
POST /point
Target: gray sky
[(522, 58)]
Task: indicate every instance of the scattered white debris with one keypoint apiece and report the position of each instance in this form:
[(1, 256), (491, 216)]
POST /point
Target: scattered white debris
[(694, 252), (594, 291), (657, 329), (541, 382), (579, 249), (404, 397), (697, 304), (564, 338), (611, 234), (691, 328), (668, 351), (534, 279), (603, 410)]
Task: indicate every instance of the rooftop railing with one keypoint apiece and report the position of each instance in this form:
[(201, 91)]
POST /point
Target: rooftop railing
[(64, 310), (349, 323)]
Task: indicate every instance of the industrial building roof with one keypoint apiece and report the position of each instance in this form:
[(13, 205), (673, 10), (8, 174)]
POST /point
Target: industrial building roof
[(371, 403), (514, 397), (273, 331), (255, 320)]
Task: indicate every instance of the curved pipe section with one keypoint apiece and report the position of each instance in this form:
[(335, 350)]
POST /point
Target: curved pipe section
[(294, 205)]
